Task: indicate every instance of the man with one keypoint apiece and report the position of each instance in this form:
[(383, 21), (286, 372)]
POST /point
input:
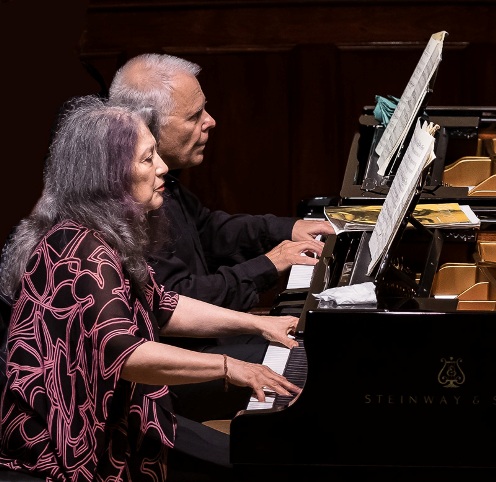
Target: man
[(213, 256), (224, 259)]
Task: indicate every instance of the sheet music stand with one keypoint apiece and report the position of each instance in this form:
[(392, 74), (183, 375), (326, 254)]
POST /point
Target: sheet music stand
[(372, 180), (396, 285), (394, 282)]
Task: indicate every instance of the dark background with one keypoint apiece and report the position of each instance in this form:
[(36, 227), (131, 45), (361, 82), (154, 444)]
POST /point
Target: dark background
[(285, 80), (40, 70)]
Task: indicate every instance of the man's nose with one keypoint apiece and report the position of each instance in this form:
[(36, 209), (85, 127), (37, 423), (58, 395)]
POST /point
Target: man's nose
[(208, 122)]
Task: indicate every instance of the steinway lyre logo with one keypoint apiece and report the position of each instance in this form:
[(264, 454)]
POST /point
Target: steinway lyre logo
[(451, 375)]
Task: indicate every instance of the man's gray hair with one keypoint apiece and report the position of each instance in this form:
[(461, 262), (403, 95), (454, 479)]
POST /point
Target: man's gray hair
[(145, 81)]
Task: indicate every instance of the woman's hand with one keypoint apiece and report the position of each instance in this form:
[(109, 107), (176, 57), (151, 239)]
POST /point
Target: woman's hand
[(279, 329), (259, 377)]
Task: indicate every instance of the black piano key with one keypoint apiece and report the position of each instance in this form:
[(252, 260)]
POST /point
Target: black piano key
[(295, 371)]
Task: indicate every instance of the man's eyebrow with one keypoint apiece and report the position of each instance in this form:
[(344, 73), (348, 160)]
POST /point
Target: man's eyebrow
[(198, 111)]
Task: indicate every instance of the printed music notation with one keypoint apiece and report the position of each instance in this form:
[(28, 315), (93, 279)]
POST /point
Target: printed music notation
[(410, 102), (419, 154)]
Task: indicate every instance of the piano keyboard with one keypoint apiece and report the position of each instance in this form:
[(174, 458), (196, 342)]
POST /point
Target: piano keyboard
[(300, 276), (291, 363)]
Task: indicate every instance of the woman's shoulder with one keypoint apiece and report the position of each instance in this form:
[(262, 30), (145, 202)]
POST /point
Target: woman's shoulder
[(67, 226), (72, 237)]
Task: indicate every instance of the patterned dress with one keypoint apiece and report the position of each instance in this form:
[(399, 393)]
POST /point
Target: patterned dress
[(65, 413)]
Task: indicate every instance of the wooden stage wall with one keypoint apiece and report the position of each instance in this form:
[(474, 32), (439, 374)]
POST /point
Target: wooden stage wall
[(286, 81)]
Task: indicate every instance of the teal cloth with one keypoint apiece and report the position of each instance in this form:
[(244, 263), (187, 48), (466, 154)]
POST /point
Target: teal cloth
[(384, 108)]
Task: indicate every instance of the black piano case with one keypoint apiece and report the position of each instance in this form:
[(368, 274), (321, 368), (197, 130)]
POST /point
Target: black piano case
[(406, 389)]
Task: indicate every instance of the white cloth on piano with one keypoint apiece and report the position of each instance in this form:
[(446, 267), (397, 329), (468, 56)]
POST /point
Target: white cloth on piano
[(360, 293)]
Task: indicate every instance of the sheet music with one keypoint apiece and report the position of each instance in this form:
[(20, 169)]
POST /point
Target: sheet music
[(419, 154), (410, 101)]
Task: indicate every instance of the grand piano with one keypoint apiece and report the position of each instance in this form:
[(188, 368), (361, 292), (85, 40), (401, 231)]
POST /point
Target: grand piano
[(405, 388)]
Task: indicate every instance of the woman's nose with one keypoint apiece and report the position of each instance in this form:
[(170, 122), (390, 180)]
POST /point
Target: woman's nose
[(162, 167)]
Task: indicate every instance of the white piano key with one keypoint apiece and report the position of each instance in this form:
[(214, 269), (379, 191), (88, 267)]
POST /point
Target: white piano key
[(276, 357), (300, 276), (254, 404)]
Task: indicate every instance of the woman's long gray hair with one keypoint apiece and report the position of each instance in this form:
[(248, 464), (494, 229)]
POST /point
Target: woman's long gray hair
[(87, 179)]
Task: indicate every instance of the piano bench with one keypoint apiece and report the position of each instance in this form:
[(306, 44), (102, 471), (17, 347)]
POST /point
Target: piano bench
[(220, 425)]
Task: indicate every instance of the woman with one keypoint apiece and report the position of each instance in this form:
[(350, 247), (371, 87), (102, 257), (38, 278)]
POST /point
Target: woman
[(86, 396)]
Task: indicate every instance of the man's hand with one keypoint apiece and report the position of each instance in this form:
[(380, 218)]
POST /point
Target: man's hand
[(304, 229), (288, 253)]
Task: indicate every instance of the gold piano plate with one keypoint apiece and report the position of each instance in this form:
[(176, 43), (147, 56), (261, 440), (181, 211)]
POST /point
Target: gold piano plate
[(468, 171), (476, 306), (454, 278), (470, 283), (486, 144), (487, 252), (476, 171), (485, 188)]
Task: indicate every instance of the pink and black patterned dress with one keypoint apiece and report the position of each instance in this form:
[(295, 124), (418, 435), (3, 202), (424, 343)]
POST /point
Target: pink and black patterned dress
[(66, 414)]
